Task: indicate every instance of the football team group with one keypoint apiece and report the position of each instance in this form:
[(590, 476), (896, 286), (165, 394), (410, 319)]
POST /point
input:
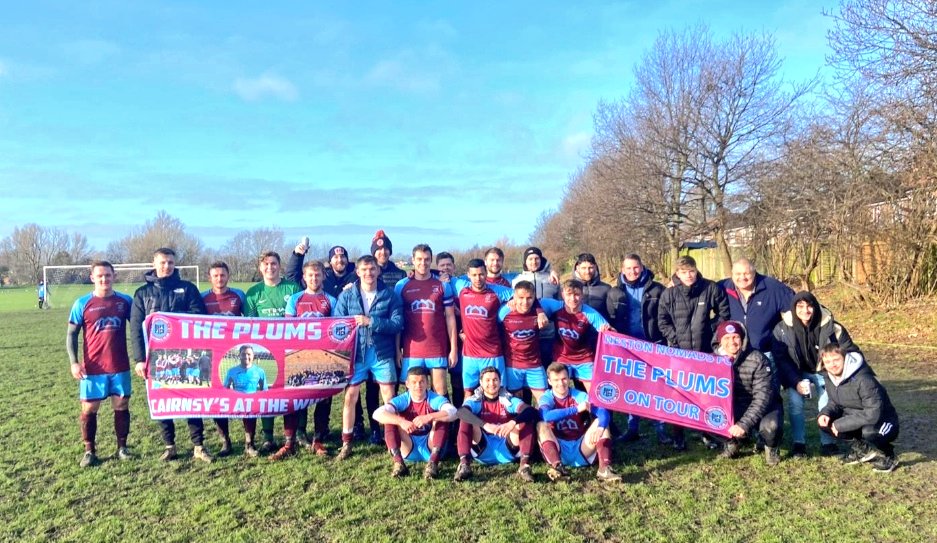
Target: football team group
[(475, 352)]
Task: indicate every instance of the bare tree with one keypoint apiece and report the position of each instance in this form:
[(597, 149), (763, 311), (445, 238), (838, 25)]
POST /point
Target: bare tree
[(31, 247), (164, 230)]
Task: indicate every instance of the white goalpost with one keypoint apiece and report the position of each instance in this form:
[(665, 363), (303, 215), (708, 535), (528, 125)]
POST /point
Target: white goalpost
[(64, 284)]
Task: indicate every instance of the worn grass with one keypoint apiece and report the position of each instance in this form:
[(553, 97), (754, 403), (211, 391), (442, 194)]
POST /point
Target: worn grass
[(692, 497)]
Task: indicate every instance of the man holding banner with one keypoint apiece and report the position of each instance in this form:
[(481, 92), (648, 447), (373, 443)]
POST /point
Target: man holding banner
[(268, 299), (756, 399), (688, 314), (165, 291)]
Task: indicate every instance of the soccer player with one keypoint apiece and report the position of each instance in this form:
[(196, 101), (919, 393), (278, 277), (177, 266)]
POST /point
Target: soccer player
[(494, 264), (379, 317), (166, 291), (495, 428), (594, 290), (221, 299), (430, 337), (479, 304), (577, 328), (41, 290), (104, 370), (859, 410), (521, 325), (268, 299), (416, 424), (567, 437), (313, 302)]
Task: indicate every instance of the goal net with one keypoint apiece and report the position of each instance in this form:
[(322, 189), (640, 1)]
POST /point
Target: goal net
[(65, 284)]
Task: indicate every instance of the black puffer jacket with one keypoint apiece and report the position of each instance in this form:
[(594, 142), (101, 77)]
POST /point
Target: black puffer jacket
[(688, 316), (595, 292), (618, 305), (169, 295), (857, 399), (788, 359), (755, 390)]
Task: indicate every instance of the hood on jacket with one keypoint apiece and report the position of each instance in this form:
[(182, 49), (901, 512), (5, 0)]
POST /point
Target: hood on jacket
[(788, 317), (853, 363), (598, 272), (150, 277), (805, 296)]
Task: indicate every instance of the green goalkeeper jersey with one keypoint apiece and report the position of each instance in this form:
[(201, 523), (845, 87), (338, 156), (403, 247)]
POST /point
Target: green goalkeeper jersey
[(264, 301)]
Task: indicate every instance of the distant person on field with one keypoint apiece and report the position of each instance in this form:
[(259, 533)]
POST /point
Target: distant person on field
[(165, 291), (859, 410), (41, 289), (799, 337), (104, 368)]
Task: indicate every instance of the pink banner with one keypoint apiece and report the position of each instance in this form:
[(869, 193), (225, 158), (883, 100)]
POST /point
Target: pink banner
[(235, 367), (686, 388)]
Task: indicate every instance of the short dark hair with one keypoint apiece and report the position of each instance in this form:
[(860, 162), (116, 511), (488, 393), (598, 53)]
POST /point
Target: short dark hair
[(476, 263), (557, 367), (165, 251), (525, 285), (219, 264), (418, 370), (267, 254), (422, 248), (832, 347), (366, 259), (444, 255), (495, 250), (586, 257), (101, 263), (489, 369)]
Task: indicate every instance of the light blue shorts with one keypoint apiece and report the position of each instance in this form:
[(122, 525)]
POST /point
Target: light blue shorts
[(583, 371), (382, 370), (439, 363), (496, 451), (97, 387), (420, 451), (534, 379), (571, 453), (472, 367)]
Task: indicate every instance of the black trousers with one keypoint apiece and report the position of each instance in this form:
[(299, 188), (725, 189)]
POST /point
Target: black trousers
[(196, 431)]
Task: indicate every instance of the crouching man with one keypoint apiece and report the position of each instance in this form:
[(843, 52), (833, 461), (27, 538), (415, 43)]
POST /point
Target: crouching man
[(756, 398), (567, 436), (495, 428), (416, 424), (859, 410)]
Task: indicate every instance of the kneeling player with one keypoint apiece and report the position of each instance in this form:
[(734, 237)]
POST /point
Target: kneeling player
[(416, 424), (566, 436), (496, 427)]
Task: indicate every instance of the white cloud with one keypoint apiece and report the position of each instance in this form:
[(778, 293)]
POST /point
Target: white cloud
[(574, 146), (412, 71), (265, 86)]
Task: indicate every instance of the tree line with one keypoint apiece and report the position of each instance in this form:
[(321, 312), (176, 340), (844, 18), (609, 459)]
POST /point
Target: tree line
[(711, 143)]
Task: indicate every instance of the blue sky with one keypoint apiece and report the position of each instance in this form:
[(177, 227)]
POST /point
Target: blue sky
[(446, 123)]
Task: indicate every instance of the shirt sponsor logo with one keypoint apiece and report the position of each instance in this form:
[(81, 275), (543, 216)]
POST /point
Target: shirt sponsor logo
[(523, 334), (421, 306), (476, 311), (568, 333)]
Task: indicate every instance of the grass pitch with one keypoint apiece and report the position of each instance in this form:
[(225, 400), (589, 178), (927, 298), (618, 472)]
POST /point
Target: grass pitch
[(692, 497)]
